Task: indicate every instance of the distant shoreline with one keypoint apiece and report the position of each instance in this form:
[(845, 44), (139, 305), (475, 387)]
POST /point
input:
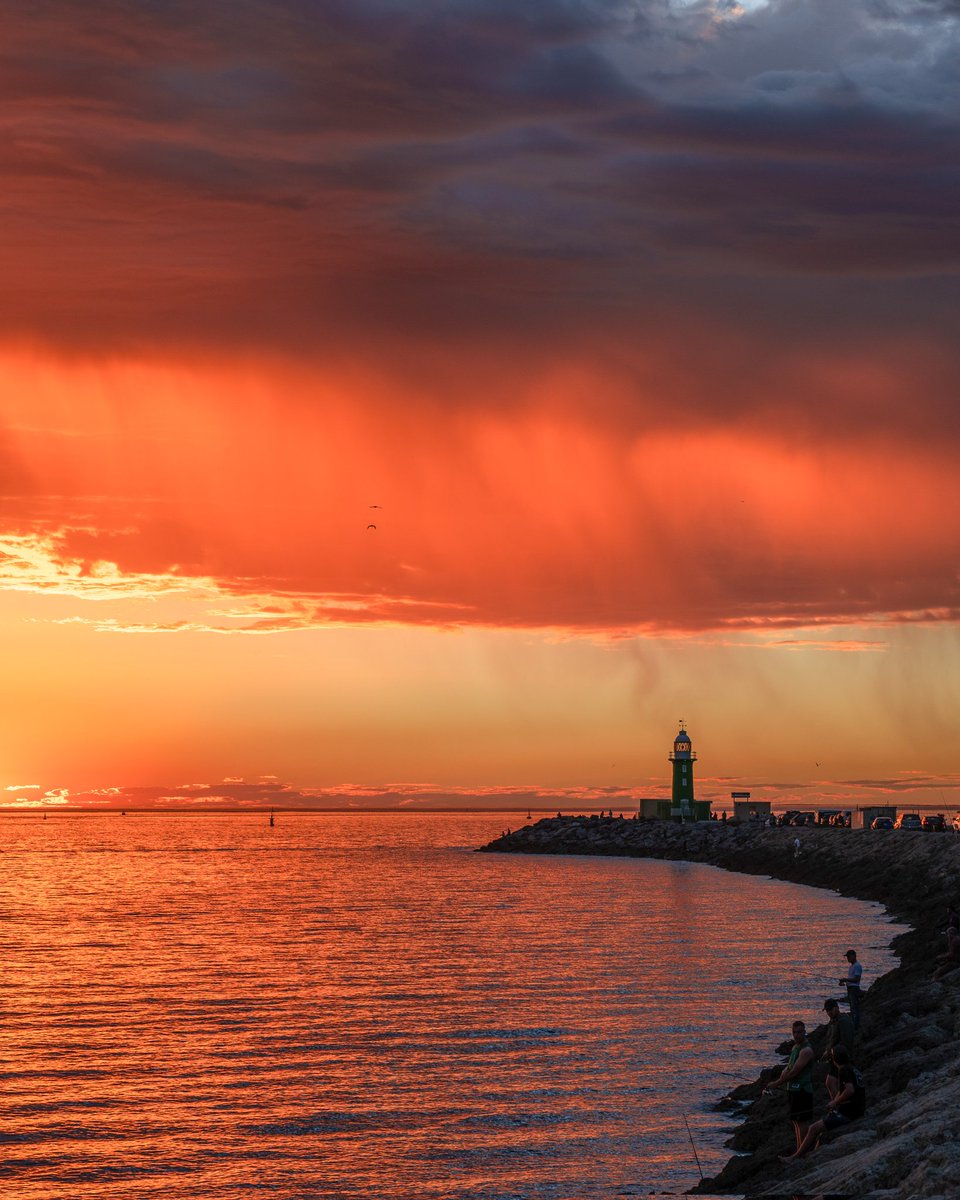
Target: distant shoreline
[(207, 809), (903, 1148), (265, 810)]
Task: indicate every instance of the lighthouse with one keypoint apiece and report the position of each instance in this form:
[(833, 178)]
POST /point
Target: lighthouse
[(683, 758)]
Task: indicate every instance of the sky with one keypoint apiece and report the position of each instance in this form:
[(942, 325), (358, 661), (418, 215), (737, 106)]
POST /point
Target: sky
[(433, 402)]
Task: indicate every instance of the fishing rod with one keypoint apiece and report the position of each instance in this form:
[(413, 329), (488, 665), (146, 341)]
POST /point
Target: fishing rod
[(693, 1145)]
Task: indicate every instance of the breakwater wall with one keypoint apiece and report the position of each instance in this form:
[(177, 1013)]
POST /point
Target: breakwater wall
[(908, 1144)]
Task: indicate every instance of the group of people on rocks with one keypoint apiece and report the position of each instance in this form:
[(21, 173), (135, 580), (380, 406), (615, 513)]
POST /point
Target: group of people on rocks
[(846, 1095)]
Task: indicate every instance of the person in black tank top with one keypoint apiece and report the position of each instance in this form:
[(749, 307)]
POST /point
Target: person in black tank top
[(847, 1105)]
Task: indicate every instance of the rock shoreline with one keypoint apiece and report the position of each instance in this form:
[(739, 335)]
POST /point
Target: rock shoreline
[(906, 1147)]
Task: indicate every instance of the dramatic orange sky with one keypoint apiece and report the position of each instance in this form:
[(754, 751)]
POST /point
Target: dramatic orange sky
[(411, 403)]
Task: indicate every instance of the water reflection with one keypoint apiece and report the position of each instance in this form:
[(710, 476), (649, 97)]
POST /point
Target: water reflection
[(351, 1006)]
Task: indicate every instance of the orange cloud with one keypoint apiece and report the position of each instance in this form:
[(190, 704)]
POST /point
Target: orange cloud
[(247, 496)]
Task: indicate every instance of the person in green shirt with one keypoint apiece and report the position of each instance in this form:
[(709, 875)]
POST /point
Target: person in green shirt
[(797, 1078), (847, 1105)]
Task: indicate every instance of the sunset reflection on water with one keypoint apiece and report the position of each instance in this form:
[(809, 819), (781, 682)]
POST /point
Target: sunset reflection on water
[(357, 1005)]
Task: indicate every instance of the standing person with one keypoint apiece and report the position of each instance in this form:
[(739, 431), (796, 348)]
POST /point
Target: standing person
[(852, 984), (797, 1078), (846, 1106), (796, 847), (840, 1032)]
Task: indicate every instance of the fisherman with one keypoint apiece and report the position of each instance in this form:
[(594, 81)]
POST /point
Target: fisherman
[(797, 1078), (852, 984)]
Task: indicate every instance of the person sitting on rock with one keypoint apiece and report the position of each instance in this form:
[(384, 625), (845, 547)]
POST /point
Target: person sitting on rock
[(950, 959), (846, 1106), (840, 1032), (797, 1078)]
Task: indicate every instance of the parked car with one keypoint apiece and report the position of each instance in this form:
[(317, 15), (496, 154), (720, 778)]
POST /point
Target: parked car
[(909, 821), (935, 823), (881, 823)]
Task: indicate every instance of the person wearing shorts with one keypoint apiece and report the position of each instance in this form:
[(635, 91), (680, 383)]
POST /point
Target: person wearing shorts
[(845, 1107), (797, 1079)]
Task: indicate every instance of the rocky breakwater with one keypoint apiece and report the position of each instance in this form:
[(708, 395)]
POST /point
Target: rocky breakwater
[(908, 1144)]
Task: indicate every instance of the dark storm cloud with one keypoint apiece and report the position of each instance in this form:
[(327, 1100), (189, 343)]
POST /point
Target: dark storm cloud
[(292, 171), (829, 216), (321, 66), (809, 130), (897, 9)]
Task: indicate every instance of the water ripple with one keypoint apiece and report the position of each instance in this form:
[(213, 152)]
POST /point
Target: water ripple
[(202, 1008)]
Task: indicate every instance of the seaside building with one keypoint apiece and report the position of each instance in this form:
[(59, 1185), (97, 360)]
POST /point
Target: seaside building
[(745, 809), (651, 806)]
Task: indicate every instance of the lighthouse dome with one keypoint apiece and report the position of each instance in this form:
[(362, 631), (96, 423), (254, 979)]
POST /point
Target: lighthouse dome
[(681, 746)]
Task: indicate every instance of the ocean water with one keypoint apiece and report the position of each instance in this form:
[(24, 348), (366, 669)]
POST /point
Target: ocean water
[(360, 1006)]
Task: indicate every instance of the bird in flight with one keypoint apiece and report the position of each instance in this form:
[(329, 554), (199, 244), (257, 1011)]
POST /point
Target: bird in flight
[(375, 506), (371, 526)]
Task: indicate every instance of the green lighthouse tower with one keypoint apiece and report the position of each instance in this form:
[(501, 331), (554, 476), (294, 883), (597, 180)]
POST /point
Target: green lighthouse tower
[(683, 757)]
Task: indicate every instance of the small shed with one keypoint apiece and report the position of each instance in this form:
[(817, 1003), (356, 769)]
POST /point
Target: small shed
[(751, 810)]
